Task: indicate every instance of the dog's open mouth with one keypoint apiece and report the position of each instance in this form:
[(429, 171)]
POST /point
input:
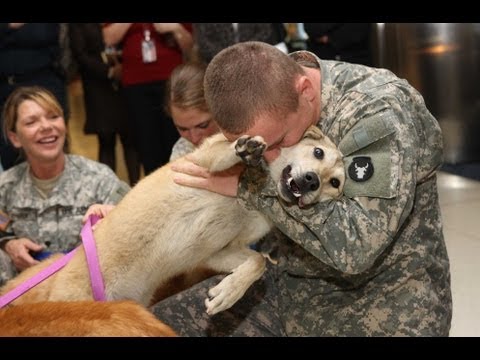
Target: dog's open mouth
[(289, 189), (290, 182)]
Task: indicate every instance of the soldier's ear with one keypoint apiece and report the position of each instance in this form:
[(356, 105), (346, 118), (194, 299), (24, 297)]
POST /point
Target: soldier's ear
[(314, 133)]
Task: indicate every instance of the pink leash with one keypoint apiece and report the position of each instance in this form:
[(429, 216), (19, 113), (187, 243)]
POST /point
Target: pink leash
[(96, 279)]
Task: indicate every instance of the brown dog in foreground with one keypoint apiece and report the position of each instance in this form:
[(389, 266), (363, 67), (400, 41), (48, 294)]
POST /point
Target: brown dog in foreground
[(161, 229), (81, 318)]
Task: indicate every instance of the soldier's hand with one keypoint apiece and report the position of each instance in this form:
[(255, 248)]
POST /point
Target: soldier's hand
[(18, 250), (190, 174)]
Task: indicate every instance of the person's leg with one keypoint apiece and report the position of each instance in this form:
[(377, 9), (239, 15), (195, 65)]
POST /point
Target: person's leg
[(106, 149), (168, 133), (130, 155), (255, 314), (144, 113)]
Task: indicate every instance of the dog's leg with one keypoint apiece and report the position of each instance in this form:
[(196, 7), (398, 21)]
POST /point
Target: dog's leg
[(245, 267), (218, 154)]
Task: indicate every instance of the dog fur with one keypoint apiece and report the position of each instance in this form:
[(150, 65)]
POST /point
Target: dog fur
[(81, 318), (161, 229)]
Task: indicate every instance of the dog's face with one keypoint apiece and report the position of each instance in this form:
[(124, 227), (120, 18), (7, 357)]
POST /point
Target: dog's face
[(310, 171)]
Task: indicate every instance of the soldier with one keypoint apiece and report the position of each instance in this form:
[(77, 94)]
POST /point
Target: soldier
[(372, 263), (43, 200)]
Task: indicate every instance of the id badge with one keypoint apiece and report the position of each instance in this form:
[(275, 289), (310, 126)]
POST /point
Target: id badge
[(149, 53)]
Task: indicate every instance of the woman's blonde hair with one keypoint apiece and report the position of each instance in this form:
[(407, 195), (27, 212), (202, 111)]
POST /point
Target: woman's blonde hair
[(40, 95), (185, 88)]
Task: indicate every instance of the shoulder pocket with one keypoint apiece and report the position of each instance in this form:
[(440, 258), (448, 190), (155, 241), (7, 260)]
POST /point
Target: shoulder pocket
[(368, 152)]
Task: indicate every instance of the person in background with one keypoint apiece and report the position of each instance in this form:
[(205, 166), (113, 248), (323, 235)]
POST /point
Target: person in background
[(106, 112), (371, 263), (211, 38), (150, 52), (43, 199), (348, 42), (30, 54), (187, 106)]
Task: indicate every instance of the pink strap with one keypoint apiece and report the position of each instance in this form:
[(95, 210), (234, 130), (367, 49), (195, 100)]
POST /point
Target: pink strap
[(36, 279), (96, 279)]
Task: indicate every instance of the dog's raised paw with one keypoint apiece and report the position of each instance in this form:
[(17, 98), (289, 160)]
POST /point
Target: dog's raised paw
[(250, 149)]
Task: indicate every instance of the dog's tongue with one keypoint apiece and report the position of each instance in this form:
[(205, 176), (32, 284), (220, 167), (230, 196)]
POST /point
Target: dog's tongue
[(300, 202)]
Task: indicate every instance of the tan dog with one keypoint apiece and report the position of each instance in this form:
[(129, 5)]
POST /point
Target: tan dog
[(84, 318), (161, 229)]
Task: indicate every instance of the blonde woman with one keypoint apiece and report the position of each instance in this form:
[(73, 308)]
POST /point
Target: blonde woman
[(43, 199)]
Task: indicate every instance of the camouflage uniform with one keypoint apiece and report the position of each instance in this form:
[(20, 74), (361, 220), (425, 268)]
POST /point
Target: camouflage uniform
[(180, 148), (373, 263), (54, 222)]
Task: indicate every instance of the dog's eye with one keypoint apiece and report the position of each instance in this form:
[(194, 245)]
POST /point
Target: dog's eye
[(318, 153), (335, 183)]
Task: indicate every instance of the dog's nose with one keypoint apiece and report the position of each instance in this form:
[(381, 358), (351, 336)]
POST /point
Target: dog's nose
[(310, 182)]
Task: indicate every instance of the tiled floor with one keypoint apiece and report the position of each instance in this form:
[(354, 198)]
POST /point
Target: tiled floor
[(460, 203), (459, 199)]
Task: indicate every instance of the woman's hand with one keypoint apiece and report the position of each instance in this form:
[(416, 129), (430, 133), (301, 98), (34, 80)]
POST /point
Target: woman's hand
[(190, 174), (19, 252), (181, 36), (163, 28), (100, 210)]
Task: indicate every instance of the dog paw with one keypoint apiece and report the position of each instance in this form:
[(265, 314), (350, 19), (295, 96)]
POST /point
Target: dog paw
[(250, 149), (223, 296)]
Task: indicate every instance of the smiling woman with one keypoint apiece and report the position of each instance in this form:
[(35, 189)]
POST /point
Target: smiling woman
[(43, 199), (35, 125)]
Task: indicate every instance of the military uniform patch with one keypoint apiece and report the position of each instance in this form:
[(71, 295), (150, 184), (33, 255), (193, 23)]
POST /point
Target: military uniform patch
[(361, 168)]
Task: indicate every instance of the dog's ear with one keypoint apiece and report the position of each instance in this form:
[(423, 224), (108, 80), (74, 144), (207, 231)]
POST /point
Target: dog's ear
[(314, 133)]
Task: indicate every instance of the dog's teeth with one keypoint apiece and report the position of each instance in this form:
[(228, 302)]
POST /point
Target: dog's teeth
[(296, 194), (289, 181)]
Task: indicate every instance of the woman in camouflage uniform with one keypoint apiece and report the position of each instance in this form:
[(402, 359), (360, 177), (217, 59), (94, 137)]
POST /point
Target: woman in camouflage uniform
[(43, 200), (372, 263)]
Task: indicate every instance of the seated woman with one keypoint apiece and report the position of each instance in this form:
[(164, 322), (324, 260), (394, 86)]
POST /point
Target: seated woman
[(43, 200)]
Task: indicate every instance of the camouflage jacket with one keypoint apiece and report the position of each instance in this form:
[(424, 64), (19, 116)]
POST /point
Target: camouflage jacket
[(56, 221), (180, 148), (373, 262)]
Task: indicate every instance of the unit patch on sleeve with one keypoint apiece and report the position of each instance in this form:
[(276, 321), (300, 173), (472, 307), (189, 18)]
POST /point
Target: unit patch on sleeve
[(361, 169)]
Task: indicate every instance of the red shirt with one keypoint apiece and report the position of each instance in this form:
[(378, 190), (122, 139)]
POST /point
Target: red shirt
[(134, 70)]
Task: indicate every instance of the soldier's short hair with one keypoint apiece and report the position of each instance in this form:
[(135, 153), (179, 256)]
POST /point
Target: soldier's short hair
[(249, 79)]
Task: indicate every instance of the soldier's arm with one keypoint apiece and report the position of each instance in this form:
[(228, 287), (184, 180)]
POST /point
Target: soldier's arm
[(350, 233)]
